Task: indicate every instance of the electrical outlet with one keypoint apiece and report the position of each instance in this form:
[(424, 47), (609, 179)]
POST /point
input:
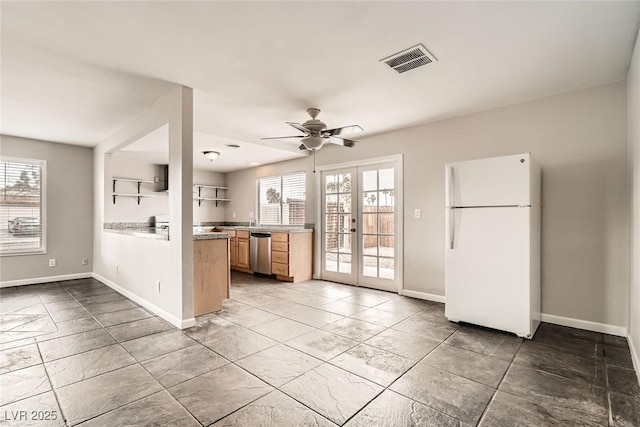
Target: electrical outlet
[(158, 286), (85, 261), (233, 215), (156, 179), (52, 263), (417, 214), (250, 214), (117, 269)]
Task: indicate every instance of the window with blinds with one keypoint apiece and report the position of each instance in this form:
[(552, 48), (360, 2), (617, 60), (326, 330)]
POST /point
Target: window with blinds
[(280, 200), (22, 183)]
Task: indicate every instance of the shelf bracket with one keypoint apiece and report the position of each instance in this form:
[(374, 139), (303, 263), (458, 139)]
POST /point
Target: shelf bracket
[(114, 188), (139, 197), (114, 198)]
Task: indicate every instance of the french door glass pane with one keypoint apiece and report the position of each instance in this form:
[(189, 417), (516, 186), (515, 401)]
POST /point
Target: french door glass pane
[(370, 201), (331, 223), (331, 242), (331, 261), (331, 185), (385, 246), (386, 200), (344, 223), (370, 245), (369, 180), (387, 270), (345, 203), (369, 223), (386, 223), (344, 266), (370, 266), (344, 243), (331, 203), (386, 179), (345, 183)]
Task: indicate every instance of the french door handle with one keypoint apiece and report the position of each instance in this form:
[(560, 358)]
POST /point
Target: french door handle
[(353, 230)]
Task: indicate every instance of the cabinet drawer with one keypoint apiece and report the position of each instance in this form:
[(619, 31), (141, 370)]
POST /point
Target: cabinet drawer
[(280, 257), (242, 234), (279, 237), (279, 246), (232, 233), (281, 269)]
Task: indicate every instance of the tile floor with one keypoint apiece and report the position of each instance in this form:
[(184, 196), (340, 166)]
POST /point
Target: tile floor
[(307, 354)]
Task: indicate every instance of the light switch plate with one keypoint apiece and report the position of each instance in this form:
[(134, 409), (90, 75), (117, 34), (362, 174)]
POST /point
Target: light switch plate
[(417, 214)]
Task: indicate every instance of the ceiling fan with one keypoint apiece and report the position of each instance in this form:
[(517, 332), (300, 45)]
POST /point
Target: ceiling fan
[(316, 133)]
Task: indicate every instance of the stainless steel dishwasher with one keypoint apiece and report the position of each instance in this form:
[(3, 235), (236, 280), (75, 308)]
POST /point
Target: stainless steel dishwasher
[(260, 251)]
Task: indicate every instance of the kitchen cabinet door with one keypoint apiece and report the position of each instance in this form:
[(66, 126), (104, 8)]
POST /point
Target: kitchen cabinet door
[(233, 255), (243, 253)]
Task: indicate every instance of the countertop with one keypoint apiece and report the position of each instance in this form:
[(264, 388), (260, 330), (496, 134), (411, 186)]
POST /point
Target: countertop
[(199, 232), (162, 234), (268, 229)]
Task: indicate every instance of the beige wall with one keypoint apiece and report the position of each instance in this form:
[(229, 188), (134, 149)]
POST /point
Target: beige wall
[(579, 139), (69, 210), (633, 114), (127, 209), (208, 211)]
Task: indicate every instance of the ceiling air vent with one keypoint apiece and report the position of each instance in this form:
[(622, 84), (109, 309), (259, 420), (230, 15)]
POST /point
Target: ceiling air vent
[(414, 57)]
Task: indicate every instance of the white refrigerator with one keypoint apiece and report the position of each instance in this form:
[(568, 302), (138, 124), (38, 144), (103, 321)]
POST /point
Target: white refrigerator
[(492, 263)]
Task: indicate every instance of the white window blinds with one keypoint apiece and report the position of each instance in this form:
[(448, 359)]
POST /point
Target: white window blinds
[(21, 206), (281, 199)]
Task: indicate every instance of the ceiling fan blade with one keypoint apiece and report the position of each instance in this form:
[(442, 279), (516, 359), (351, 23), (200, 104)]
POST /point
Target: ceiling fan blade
[(338, 140), (287, 145), (343, 130), (284, 137), (299, 127)]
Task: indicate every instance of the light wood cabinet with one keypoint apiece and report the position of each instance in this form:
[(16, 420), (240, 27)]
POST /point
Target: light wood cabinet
[(211, 279), (239, 250), (291, 256), (243, 253)]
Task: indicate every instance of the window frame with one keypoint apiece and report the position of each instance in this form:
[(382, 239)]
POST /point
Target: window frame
[(43, 206), (281, 177)]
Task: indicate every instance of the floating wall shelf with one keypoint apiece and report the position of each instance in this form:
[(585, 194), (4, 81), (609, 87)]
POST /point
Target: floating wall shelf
[(216, 199), (138, 195)]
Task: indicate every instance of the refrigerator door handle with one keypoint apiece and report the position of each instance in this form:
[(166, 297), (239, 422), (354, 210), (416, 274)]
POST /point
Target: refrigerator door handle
[(452, 226), (451, 204)]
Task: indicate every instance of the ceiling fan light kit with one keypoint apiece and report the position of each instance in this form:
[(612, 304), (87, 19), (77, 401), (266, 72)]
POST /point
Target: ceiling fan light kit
[(316, 133)]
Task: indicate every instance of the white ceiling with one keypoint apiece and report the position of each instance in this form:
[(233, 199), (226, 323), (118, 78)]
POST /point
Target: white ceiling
[(76, 72)]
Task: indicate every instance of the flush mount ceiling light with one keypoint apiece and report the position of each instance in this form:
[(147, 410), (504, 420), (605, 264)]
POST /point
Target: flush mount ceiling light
[(211, 155), (233, 146), (254, 163)]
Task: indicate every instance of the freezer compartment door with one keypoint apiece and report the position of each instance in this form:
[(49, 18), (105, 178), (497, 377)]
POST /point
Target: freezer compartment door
[(498, 181), (487, 280)]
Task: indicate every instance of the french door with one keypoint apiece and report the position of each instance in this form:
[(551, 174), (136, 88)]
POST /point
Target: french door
[(359, 222)]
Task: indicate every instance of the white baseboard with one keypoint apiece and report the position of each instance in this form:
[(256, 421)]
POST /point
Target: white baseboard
[(178, 323), (604, 328), (635, 356), (422, 295), (38, 280)]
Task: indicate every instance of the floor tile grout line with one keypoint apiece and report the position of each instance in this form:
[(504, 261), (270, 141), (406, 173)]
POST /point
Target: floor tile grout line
[(388, 387), (53, 390), (512, 364), (135, 401), (495, 392)]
